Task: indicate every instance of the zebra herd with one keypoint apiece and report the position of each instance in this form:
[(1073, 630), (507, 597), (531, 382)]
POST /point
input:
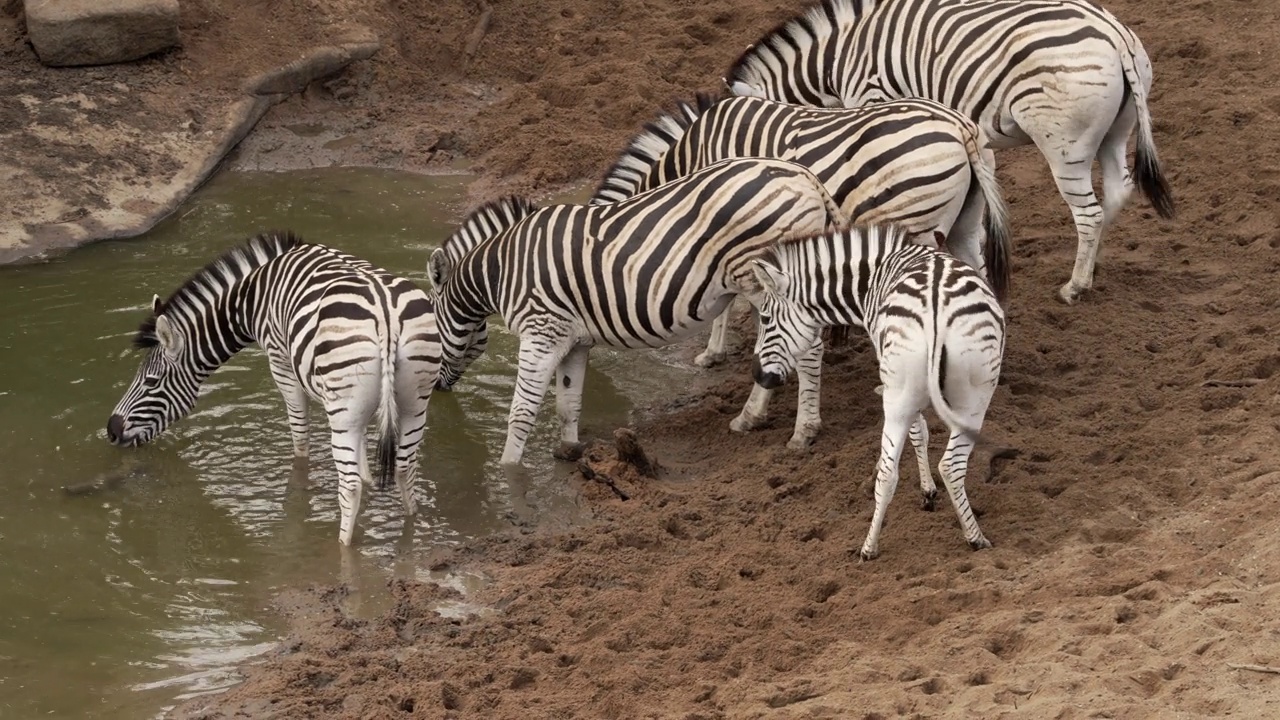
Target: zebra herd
[(847, 179)]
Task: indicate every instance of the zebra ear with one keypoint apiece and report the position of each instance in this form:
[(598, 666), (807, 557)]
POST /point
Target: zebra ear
[(170, 341), (438, 268), (737, 87), (156, 304), (772, 280)]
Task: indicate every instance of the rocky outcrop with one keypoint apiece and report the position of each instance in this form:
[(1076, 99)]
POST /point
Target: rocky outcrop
[(100, 32)]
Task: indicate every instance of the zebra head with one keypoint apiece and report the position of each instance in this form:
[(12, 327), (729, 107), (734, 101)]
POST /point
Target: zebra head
[(165, 387), (460, 349), (787, 330)]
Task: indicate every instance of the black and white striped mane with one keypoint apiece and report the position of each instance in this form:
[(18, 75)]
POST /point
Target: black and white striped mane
[(219, 274), (792, 37), (488, 220), (644, 150)]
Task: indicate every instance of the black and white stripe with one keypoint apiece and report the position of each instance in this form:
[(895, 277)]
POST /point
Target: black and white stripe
[(1062, 74), (936, 326), (644, 272), (912, 162), (351, 336)]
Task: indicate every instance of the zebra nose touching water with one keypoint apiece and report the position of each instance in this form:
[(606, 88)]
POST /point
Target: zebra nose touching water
[(933, 321), (336, 329), (644, 272)]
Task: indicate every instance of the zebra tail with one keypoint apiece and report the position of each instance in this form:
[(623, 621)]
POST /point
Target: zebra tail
[(998, 245), (1147, 172), (937, 350), (388, 425)]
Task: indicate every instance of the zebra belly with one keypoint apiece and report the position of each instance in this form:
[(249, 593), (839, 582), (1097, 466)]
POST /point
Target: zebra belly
[(683, 325)]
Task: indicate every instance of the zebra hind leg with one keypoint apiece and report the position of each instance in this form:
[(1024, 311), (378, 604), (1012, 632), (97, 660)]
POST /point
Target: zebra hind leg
[(570, 376), (920, 441), (897, 425), (351, 459), (953, 467), (1117, 182)]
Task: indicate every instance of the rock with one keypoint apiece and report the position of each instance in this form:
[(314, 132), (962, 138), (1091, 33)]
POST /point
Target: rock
[(100, 32)]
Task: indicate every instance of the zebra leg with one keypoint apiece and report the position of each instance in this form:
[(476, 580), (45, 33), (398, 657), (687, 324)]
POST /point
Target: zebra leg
[(717, 344), (570, 376), (953, 467), (414, 384), (809, 380), (295, 402), (353, 471), (920, 441), (1117, 182), (539, 358), (897, 425), (755, 412)]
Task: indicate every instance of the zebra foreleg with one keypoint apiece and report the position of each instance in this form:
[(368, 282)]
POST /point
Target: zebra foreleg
[(539, 358), (809, 379), (717, 344), (570, 375)]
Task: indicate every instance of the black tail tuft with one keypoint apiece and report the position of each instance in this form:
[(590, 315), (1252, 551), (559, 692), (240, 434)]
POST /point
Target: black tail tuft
[(386, 472), (1151, 181)]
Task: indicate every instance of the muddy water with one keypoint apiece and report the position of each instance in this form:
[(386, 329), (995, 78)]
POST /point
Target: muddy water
[(155, 577)]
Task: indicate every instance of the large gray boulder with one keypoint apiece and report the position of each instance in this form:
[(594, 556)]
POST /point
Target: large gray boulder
[(99, 32)]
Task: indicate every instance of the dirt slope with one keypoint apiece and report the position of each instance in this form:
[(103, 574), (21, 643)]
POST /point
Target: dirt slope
[(1135, 533)]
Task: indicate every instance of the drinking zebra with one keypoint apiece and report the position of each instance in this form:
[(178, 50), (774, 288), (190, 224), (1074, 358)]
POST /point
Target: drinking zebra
[(1063, 74), (914, 162), (351, 336), (937, 330), (644, 272)]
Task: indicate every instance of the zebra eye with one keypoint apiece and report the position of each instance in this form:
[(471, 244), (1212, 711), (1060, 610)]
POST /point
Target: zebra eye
[(151, 381)]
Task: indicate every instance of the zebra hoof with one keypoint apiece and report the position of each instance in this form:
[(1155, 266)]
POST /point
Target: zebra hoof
[(800, 443), (1071, 292), (980, 544), (929, 501), (868, 555), (569, 452), (746, 423), (708, 359)]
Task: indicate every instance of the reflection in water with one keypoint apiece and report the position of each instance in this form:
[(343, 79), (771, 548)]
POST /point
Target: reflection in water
[(143, 575)]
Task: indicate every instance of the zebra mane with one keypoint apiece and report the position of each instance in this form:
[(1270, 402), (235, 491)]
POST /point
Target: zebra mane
[(647, 147), (877, 234), (226, 269), (784, 45), (486, 221)]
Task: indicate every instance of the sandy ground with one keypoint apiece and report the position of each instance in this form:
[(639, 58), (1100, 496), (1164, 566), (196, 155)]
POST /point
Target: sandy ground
[(1134, 528)]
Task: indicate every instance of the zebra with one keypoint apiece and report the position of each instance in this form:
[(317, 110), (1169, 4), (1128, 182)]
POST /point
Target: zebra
[(911, 161), (1062, 74), (644, 272), (357, 339), (936, 326)]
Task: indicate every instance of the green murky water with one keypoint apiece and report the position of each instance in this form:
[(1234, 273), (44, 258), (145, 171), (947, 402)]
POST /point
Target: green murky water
[(117, 603)]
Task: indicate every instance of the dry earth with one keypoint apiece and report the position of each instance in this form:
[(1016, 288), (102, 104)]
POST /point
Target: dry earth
[(1135, 529)]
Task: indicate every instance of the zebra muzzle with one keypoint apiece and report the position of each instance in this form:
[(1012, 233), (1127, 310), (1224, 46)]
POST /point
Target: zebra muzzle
[(766, 380), (115, 429)]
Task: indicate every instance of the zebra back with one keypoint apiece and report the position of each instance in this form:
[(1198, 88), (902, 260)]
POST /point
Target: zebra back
[(486, 221), (636, 164)]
